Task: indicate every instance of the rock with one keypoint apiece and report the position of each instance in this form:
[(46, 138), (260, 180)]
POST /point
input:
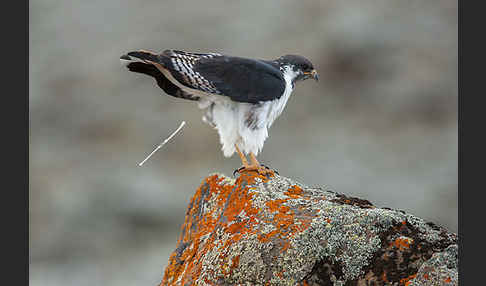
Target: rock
[(258, 230)]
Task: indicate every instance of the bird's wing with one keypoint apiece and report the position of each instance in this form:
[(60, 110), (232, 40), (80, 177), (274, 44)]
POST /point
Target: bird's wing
[(241, 79), (181, 66)]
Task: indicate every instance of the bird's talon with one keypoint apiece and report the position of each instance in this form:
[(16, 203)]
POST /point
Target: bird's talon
[(266, 167), (238, 170)]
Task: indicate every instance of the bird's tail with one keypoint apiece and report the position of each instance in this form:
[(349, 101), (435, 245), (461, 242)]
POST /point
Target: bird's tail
[(143, 62), (140, 56)]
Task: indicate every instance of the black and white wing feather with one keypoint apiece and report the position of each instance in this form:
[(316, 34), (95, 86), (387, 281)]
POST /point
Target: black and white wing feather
[(240, 79), (181, 66)]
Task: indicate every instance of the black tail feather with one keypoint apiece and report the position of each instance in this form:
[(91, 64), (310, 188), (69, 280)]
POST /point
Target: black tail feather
[(143, 55), (162, 81)]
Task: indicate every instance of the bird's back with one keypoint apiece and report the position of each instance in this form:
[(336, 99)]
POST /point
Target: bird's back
[(239, 79)]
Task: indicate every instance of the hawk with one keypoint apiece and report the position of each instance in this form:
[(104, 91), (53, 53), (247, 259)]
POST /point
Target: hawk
[(241, 97)]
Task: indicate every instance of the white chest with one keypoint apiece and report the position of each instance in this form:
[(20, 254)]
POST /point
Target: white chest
[(277, 106)]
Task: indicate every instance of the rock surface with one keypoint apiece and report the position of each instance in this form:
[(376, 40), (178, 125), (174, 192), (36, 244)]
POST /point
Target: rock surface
[(257, 230)]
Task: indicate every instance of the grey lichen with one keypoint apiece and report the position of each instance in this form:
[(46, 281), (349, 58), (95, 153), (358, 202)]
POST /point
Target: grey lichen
[(441, 269)]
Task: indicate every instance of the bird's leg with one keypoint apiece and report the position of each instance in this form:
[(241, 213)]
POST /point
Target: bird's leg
[(244, 161), (253, 166), (254, 161)]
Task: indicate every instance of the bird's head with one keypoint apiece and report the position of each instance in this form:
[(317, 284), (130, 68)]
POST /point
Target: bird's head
[(297, 67)]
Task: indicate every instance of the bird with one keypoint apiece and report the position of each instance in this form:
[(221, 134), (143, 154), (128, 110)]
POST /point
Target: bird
[(240, 97)]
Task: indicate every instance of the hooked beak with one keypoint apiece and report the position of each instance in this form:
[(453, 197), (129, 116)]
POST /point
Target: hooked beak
[(312, 74)]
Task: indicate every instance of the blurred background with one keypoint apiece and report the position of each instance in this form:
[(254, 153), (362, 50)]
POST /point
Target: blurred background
[(381, 123)]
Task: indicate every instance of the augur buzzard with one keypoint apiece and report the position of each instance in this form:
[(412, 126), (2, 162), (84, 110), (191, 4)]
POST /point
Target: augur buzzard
[(241, 97)]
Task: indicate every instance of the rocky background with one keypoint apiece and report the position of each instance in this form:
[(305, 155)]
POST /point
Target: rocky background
[(381, 124)]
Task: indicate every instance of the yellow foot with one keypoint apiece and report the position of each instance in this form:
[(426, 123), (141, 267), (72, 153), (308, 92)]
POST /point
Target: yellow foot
[(261, 170), (254, 166)]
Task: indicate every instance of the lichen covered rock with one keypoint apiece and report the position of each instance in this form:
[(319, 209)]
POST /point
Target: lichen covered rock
[(257, 230)]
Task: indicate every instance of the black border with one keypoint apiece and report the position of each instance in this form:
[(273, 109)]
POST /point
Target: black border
[(470, 89), (460, 153), (15, 141)]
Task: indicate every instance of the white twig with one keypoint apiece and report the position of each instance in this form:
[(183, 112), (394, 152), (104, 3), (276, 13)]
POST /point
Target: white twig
[(163, 143)]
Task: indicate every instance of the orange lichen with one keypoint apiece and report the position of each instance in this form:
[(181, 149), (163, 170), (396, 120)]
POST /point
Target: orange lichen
[(304, 224), (286, 246), (266, 237), (406, 281), (235, 261), (227, 269), (403, 243), (231, 211), (426, 276), (294, 192), (448, 280), (384, 277), (276, 205), (283, 220), (328, 220)]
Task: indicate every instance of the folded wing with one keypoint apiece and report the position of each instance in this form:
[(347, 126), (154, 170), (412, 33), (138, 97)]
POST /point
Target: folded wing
[(241, 79)]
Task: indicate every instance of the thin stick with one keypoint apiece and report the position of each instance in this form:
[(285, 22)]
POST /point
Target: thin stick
[(163, 143)]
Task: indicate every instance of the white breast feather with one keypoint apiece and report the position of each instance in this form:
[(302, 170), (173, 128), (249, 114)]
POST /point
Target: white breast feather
[(229, 119), (278, 105)]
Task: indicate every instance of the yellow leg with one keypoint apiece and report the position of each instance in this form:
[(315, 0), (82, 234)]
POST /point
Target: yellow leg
[(253, 166), (254, 161), (242, 157)]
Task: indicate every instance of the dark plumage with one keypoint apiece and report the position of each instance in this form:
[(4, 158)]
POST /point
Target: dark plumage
[(162, 81)]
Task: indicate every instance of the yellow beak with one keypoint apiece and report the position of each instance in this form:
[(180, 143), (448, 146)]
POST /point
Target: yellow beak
[(314, 74)]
